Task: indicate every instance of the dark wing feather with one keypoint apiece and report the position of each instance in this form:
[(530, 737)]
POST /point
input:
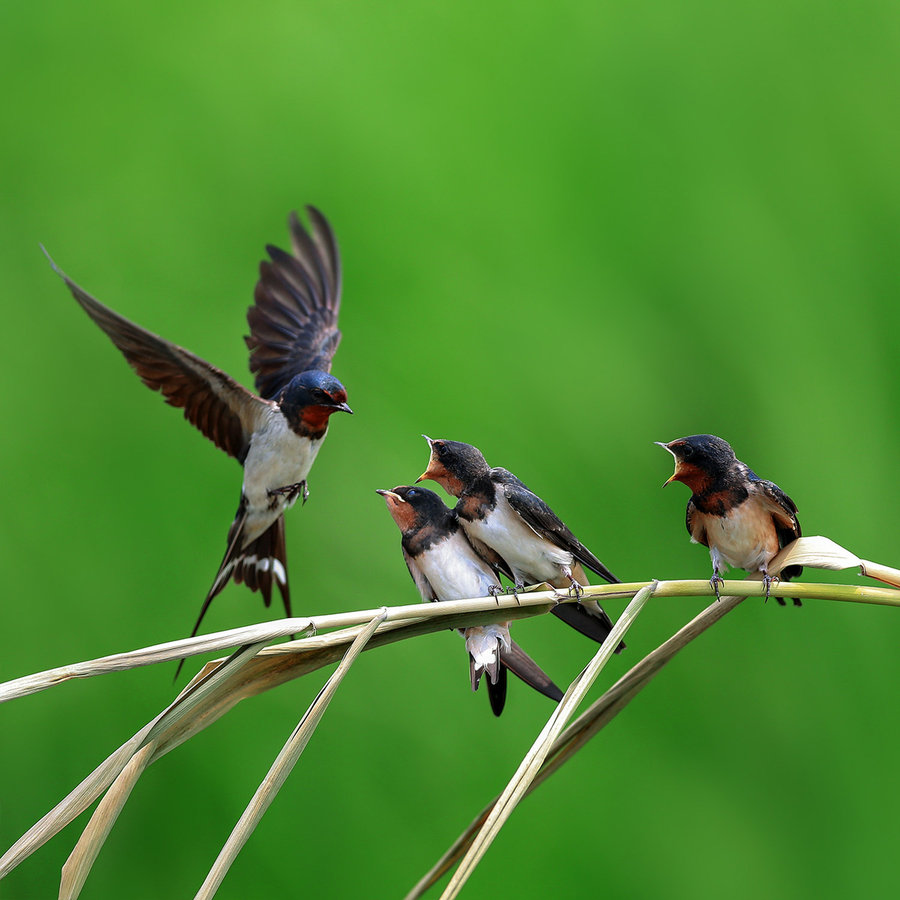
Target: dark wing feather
[(212, 401), (523, 666), (293, 324), (497, 563), (694, 523), (546, 523), (784, 514), (418, 576), (593, 622)]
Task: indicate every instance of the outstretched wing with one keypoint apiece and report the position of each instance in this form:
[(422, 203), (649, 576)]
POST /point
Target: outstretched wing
[(212, 401), (293, 324), (546, 523)]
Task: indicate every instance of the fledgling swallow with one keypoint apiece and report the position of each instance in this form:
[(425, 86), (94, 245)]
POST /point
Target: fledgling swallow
[(743, 519), (517, 533), (444, 566), (276, 435)]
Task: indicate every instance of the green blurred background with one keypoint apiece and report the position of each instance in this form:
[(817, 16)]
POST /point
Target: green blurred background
[(568, 230)]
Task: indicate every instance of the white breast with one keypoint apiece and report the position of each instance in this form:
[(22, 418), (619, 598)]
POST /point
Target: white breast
[(744, 538), (532, 558), (455, 571), (277, 458)]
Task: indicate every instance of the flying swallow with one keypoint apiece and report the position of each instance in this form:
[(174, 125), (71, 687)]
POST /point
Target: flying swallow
[(444, 566), (743, 519), (517, 533), (276, 435)]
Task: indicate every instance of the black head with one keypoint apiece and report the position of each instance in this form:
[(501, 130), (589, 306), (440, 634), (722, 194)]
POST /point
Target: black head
[(413, 508), (700, 460), (454, 465), (310, 398)]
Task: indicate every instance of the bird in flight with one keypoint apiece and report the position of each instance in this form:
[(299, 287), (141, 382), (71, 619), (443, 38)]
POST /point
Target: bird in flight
[(276, 434)]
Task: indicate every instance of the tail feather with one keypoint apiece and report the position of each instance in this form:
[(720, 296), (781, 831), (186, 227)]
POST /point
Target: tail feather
[(497, 692), (485, 644), (257, 565), (263, 562), (586, 616)]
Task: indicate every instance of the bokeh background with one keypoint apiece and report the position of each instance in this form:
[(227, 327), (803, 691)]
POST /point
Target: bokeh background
[(568, 230)]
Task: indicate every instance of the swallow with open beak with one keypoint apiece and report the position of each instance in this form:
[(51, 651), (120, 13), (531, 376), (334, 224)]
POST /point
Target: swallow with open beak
[(444, 566), (274, 435), (517, 533), (743, 519)]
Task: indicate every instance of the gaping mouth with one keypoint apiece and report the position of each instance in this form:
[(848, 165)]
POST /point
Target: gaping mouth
[(676, 473)]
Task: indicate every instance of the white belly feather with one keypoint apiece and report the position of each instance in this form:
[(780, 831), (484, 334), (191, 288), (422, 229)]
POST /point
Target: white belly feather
[(531, 557), (277, 458), (745, 538), (455, 571)]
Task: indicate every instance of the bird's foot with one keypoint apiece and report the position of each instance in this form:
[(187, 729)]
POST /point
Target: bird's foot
[(575, 588), (290, 492), (768, 581), (514, 590), (715, 581), (495, 590)]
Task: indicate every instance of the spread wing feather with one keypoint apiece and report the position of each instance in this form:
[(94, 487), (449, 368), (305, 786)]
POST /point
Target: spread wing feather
[(293, 324), (213, 402)]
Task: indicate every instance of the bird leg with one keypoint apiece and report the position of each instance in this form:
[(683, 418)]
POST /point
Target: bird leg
[(715, 581), (290, 492), (767, 581)]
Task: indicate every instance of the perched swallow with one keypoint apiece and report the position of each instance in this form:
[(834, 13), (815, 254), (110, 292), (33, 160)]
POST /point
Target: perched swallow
[(743, 519), (517, 533), (445, 567), (277, 435)]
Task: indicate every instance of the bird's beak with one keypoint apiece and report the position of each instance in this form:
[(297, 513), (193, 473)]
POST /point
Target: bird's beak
[(675, 474), (434, 471), (342, 407), (390, 496), (431, 471)]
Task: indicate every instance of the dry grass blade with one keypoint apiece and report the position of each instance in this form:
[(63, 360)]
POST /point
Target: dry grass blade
[(588, 724), (823, 553), (817, 551), (283, 765), (398, 616), (809, 551), (219, 686), (529, 767), (158, 653), (78, 866), (193, 697), (882, 573)]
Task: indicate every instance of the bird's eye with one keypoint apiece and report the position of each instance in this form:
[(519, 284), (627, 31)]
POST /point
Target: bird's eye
[(412, 493), (687, 451)]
